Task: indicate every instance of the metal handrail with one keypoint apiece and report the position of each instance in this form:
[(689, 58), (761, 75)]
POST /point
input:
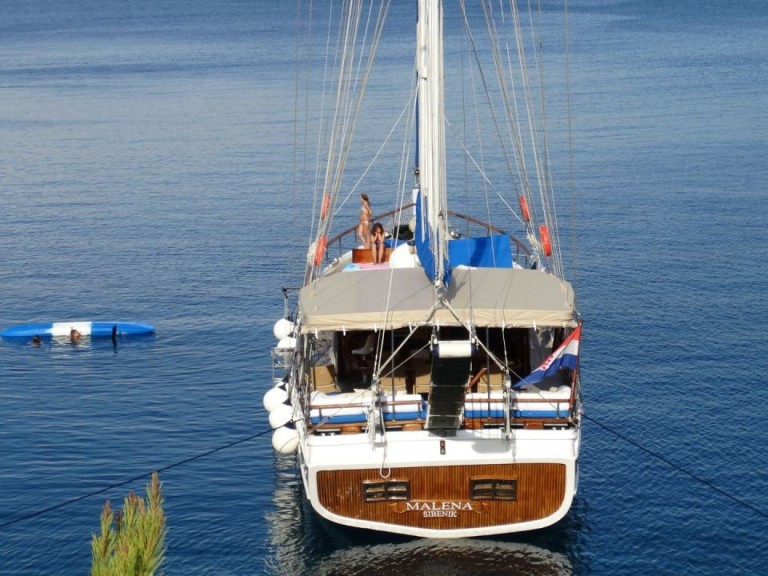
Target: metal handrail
[(490, 227)]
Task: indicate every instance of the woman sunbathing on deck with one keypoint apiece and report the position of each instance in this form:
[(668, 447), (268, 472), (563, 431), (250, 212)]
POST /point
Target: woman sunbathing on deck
[(377, 243)]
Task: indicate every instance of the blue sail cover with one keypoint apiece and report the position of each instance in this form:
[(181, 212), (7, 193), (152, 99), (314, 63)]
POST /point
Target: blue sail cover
[(423, 246), (484, 252)]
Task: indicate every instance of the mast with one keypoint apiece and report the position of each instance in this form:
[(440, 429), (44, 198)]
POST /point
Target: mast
[(431, 130)]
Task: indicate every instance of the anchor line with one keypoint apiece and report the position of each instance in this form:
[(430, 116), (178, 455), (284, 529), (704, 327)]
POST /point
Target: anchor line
[(679, 468), (129, 481)]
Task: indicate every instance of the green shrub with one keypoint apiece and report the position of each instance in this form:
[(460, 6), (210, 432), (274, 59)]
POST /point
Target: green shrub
[(132, 542)]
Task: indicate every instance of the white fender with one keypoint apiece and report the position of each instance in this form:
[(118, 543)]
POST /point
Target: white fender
[(287, 343), (285, 440), (274, 398), (282, 328), (280, 415)]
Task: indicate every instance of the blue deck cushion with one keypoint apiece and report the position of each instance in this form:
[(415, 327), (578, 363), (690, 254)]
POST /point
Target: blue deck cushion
[(352, 408), (531, 403), (539, 413), (327, 416)]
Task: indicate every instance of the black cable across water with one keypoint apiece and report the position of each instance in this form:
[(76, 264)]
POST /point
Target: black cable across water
[(129, 481), (699, 479), (619, 435)]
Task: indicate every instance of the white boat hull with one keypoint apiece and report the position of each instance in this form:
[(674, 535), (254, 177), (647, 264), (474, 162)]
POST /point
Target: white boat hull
[(447, 512)]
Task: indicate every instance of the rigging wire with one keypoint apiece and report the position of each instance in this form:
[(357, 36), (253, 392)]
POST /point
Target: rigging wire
[(572, 177), (323, 128), (486, 89), (478, 128), (295, 120), (357, 44), (407, 108), (546, 185)]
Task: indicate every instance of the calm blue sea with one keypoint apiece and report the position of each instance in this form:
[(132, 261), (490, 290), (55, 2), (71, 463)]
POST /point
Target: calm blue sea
[(146, 174)]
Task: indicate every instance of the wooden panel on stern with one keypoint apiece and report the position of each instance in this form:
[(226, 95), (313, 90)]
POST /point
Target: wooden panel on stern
[(440, 496)]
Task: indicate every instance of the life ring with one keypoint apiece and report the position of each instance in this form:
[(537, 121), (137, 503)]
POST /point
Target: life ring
[(524, 209), (546, 243), (320, 250), (325, 206)]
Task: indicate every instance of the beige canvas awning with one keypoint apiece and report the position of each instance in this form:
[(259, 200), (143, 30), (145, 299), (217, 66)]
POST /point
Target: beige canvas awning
[(376, 299)]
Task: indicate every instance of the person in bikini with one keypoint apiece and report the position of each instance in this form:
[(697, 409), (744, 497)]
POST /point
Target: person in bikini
[(364, 228), (377, 243)]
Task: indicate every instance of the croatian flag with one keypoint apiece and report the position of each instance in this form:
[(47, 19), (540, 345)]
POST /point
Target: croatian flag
[(566, 356)]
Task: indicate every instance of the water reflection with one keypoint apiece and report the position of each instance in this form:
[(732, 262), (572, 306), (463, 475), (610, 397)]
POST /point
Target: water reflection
[(446, 558), (303, 543)]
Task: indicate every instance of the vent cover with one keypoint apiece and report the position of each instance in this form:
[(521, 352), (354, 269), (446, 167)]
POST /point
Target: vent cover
[(493, 488), (389, 491)]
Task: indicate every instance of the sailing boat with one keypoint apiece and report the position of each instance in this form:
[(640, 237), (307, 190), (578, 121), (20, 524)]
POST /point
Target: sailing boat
[(435, 394)]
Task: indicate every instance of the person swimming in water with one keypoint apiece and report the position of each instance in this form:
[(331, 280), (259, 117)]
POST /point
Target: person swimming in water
[(74, 335)]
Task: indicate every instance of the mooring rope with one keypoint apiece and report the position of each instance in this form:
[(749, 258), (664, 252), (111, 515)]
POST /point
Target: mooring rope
[(605, 427)]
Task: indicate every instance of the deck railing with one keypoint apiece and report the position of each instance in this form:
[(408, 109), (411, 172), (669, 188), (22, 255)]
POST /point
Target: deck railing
[(396, 221)]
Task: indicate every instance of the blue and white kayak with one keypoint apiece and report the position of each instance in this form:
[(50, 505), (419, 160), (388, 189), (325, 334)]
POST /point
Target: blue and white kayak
[(94, 329)]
